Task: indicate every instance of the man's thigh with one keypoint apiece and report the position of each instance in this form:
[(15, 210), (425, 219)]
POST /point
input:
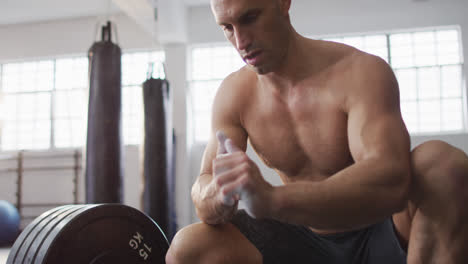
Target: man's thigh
[(285, 243), (203, 243), (402, 221)]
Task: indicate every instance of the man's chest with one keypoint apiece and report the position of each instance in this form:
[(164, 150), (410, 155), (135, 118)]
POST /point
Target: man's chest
[(306, 137)]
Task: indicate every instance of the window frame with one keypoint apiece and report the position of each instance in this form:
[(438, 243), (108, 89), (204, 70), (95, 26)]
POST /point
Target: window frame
[(53, 93), (387, 33), (191, 113)]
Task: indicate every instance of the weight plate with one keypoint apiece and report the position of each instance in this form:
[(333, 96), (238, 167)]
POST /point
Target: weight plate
[(97, 234), (44, 232), (29, 234)]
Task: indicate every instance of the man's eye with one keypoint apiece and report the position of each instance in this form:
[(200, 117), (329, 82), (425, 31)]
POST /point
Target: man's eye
[(250, 19), (227, 28)]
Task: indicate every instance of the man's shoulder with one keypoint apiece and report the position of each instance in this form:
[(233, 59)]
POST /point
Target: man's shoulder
[(235, 91), (372, 78), (238, 83), (362, 61), (353, 58), (240, 77), (362, 68), (373, 72)]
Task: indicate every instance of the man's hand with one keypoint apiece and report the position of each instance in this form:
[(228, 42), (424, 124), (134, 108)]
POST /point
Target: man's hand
[(237, 177)]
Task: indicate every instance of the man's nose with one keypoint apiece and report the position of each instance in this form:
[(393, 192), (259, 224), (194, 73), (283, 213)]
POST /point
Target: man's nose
[(243, 39)]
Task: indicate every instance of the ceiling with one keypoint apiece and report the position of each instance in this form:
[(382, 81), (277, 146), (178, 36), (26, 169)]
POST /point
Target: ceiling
[(30, 11)]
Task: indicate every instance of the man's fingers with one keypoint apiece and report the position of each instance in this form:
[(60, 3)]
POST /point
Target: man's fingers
[(225, 163), (226, 173), (225, 144), (235, 188), (230, 175), (228, 200), (221, 142), (231, 190)]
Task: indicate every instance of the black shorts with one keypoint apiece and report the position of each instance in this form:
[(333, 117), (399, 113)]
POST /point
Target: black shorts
[(282, 243)]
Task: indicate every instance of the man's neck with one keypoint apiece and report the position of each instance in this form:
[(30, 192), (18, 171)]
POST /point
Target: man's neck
[(298, 65)]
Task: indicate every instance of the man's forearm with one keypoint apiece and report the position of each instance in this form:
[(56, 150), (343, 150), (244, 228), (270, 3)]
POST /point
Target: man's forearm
[(206, 205), (357, 196)]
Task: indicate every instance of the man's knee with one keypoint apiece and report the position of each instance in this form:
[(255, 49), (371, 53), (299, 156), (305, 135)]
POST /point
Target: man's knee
[(202, 243), (188, 245), (438, 166)]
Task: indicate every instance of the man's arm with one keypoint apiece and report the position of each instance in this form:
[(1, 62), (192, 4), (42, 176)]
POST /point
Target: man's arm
[(377, 184), (225, 117)]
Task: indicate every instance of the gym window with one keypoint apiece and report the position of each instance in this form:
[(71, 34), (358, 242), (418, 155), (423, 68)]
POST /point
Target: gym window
[(44, 103), (428, 64), (134, 73), (429, 67), (209, 65)]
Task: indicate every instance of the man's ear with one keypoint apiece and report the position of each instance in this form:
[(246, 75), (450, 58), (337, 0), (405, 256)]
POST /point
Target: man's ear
[(285, 6)]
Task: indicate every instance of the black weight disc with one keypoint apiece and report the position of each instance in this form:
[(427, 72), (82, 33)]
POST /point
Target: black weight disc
[(105, 233), (55, 222), (29, 235), (22, 239)]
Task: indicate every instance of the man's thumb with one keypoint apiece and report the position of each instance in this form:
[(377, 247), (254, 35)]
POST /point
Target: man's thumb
[(221, 142), (230, 146)]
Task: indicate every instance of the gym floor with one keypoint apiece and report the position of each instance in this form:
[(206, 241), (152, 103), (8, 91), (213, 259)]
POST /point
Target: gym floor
[(4, 255)]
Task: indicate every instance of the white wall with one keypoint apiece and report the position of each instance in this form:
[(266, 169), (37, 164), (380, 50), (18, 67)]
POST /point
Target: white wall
[(176, 74), (313, 18), (65, 37)]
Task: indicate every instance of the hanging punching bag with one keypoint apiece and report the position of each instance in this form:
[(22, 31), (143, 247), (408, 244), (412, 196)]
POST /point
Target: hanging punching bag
[(104, 141), (158, 194), (172, 228)]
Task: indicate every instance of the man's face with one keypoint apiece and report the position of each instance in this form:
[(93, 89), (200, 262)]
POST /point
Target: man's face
[(256, 28)]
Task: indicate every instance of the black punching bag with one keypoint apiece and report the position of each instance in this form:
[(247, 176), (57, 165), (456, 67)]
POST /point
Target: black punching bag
[(104, 141), (159, 171)]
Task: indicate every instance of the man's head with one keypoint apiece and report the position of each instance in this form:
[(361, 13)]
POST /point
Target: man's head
[(260, 30)]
